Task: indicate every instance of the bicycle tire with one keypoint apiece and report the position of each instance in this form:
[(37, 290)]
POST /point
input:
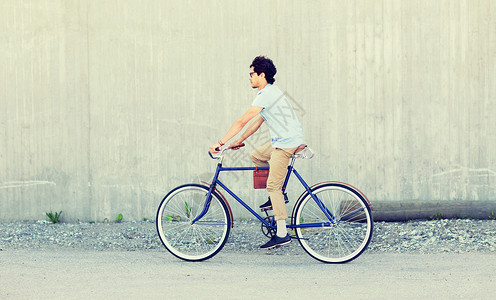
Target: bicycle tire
[(352, 231), (192, 242)]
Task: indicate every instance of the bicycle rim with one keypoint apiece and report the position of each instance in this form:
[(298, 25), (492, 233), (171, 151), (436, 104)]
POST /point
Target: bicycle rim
[(192, 242), (348, 237)]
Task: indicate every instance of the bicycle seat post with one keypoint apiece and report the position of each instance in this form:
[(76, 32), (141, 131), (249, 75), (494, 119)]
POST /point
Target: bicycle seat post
[(293, 158)]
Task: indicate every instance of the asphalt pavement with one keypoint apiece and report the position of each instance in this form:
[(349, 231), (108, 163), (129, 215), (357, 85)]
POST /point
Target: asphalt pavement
[(83, 274)]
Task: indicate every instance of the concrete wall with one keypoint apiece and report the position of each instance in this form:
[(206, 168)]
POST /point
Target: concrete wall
[(106, 105)]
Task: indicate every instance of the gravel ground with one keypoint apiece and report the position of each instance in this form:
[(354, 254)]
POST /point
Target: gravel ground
[(416, 237)]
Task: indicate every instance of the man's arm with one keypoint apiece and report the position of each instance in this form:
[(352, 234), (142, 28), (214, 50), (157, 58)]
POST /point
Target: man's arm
[(237, 126), (252, 128)]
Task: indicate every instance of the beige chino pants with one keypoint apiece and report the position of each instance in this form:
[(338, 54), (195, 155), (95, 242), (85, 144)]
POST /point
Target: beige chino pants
[(279, 159)]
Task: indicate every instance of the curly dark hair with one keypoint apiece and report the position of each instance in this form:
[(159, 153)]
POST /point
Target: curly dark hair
[(262, 64)]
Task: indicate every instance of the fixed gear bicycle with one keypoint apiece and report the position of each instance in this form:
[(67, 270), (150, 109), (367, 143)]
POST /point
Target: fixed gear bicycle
[(332, 220)]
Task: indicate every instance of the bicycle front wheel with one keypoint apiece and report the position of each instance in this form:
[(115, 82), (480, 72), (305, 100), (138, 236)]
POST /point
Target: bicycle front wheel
[(343, 240), (192, 242)]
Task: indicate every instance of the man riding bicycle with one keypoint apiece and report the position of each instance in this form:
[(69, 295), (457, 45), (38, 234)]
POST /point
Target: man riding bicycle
[(270, 106)]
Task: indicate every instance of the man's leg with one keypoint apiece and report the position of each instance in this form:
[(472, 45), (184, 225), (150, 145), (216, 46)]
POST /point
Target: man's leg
[(278, 170), (261, 155)]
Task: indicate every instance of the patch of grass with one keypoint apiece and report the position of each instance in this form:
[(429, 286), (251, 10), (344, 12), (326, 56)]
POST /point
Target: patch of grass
[(188, 209), (459, 217), (54, 217), (119, 218), (173, 218), (438, 216)]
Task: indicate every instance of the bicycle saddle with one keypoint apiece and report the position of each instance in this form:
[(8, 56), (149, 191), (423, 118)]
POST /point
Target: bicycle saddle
[(300, 148)]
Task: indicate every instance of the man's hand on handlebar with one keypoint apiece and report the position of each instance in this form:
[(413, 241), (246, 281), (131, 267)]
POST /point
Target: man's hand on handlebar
[(236, 145), (215, 148)]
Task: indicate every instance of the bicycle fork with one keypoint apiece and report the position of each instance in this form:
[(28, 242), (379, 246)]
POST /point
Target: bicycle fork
[(208, 199)]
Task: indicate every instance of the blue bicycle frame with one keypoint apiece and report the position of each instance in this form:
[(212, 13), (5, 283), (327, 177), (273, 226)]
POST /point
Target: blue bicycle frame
[(216, 181)]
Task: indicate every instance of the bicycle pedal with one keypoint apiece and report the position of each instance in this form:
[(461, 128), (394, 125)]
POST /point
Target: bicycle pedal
[(267, 208)]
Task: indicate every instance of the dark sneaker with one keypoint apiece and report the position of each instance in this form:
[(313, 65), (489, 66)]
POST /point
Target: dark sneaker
[(268, 204), (276, 241)]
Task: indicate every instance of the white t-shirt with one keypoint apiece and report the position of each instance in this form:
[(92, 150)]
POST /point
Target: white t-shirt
[(285, 129)]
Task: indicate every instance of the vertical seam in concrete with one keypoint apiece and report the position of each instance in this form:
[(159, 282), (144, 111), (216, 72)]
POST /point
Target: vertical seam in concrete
[(90, 179)]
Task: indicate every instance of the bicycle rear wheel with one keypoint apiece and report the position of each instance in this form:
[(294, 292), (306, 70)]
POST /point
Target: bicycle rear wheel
[(192, 242), (348, 237)]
